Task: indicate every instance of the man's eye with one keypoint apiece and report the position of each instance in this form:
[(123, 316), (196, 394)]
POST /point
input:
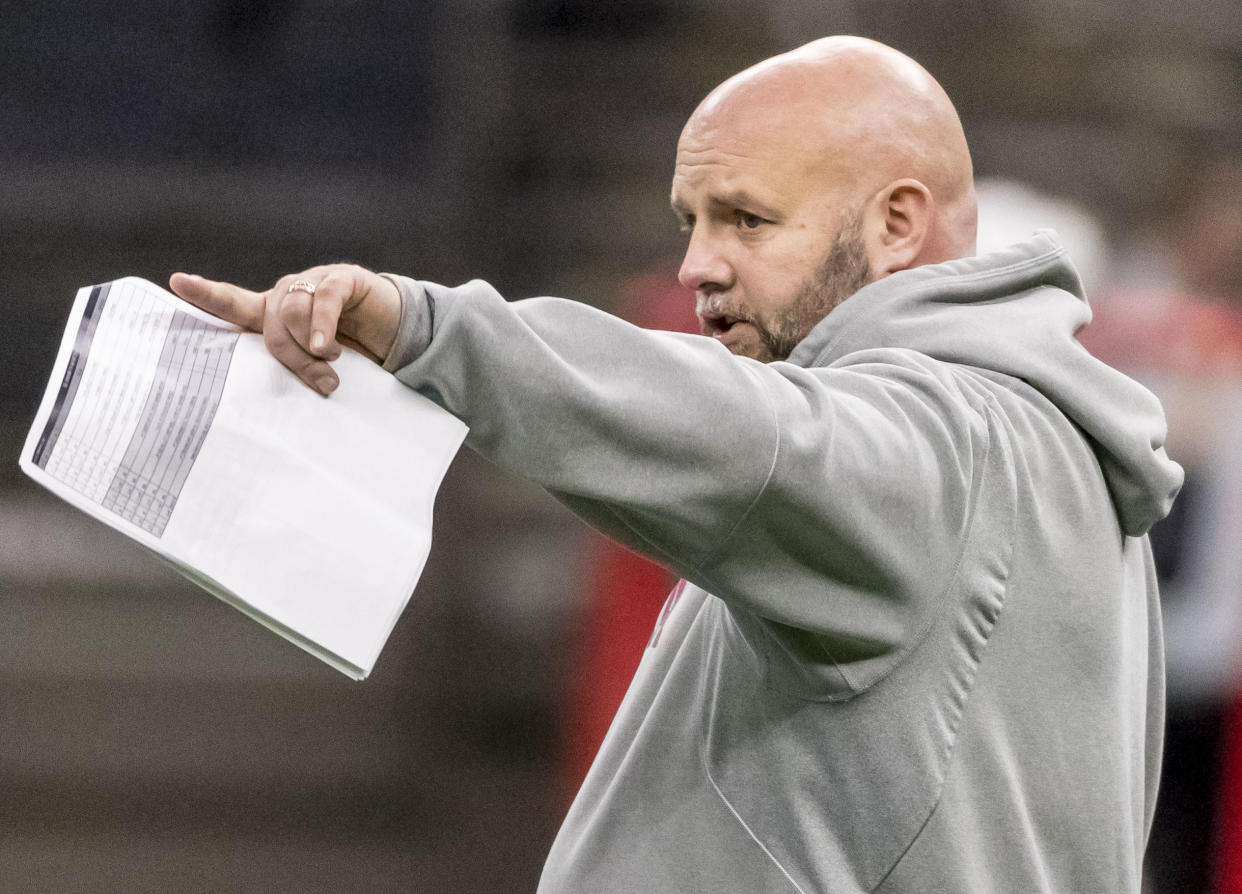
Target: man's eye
[(749, 221)]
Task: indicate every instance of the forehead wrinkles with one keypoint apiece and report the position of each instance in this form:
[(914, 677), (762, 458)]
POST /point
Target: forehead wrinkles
[(714, 158), (707, 157), (791, 146), (707, 141)]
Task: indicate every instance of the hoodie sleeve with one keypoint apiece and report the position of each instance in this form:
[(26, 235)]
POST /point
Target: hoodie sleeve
[(828, 500)]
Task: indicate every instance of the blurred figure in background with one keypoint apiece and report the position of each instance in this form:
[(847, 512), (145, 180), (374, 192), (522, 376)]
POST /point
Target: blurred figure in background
[(1010, 211), (1173, 319)]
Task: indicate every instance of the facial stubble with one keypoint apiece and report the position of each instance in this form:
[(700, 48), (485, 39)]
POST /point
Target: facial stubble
[(843, 272)]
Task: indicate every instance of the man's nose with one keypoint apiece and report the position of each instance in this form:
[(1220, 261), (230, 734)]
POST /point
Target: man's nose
[(704, 268)]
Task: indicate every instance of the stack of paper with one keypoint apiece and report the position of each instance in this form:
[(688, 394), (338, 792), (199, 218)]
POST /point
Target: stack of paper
[(311, 515)]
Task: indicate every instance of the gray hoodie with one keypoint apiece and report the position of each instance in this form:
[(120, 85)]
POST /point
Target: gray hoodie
[(918, 647)]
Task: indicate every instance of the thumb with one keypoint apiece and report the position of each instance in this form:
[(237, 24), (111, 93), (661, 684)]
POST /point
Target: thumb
[(221, 299)]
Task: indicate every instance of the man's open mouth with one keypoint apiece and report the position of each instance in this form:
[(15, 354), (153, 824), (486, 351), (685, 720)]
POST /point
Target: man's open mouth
[(716, 325)]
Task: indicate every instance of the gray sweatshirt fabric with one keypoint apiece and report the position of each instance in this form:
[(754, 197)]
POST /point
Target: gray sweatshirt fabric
[(918, 648)]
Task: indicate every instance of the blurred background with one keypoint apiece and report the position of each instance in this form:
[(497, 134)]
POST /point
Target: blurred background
[(153, 739)]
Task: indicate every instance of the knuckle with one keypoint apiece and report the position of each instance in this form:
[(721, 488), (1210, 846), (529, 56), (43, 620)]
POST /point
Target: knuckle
[(294, 307), (341, 275), (276, 339), (332, 294), (303, 365)]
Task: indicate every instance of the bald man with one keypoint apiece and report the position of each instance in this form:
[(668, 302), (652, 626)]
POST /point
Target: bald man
[(916, 647)]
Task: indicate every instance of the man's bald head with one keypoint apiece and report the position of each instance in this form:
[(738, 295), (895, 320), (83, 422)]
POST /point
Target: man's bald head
[(861, 114), (809, 175)]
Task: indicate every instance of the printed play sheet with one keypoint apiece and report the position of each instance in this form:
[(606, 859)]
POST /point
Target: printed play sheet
[(311, 515), (126, 435)]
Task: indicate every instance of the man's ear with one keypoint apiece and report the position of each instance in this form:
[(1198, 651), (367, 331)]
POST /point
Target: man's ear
[(902, 215)]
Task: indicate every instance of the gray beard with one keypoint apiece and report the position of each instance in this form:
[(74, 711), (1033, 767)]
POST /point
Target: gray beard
[(843, 272)]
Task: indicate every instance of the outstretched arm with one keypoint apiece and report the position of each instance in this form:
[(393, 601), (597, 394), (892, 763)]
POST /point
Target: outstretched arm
[(833, 500), (306, 317)]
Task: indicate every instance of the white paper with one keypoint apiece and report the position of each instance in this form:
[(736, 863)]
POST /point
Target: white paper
[(311, 515)]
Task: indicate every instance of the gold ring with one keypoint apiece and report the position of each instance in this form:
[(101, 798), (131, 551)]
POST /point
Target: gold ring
[(301, 285)]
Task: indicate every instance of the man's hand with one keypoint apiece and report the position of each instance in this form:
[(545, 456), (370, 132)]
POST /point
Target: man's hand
[(306, 316)]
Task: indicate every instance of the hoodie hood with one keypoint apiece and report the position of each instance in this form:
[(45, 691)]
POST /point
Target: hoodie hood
[(1017, 312)]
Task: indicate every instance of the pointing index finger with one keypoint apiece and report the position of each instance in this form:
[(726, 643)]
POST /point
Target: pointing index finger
[(222, 299)]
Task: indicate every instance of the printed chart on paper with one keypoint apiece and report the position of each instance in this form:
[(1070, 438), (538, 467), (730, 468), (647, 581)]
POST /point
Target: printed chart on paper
[(135, 403)]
